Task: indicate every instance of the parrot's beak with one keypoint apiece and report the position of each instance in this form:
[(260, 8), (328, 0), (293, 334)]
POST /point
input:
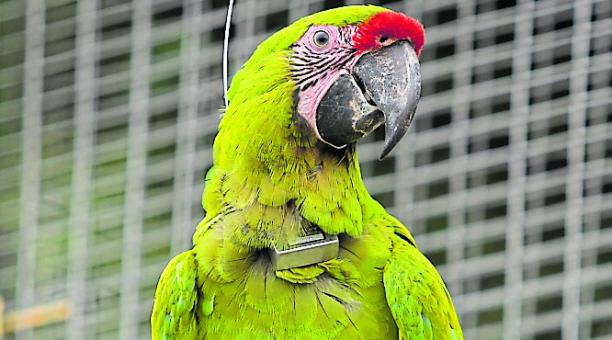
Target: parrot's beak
[(384, 86)]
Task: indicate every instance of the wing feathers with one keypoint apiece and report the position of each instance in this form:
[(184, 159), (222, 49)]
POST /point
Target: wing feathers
[(176, 300), (417, 296)]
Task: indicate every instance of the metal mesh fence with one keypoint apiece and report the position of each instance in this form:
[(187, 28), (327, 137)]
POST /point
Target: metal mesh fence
[(108, 109)]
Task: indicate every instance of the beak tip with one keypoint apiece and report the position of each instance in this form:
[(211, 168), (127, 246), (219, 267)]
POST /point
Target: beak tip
[(389, 145), (384, 153)]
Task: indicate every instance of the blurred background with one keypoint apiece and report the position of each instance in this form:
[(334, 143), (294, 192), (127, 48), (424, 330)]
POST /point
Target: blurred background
[(108, 110)]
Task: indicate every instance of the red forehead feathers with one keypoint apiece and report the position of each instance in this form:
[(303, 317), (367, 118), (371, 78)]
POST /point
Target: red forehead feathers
[(391, 25)]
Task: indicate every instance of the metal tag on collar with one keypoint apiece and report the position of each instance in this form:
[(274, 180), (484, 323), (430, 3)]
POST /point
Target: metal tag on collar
[(314, 247)]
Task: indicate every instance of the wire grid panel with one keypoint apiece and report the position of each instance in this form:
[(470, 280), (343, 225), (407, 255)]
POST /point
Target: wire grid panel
[(108, 110)]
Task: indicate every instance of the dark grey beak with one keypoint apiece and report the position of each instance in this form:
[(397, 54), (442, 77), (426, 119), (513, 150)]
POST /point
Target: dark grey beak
[(385, 86)]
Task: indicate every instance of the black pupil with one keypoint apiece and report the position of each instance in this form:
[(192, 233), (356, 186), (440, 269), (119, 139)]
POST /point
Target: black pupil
[(321, 38)]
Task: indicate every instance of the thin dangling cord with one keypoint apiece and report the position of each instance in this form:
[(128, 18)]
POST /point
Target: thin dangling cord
[(228, 20)]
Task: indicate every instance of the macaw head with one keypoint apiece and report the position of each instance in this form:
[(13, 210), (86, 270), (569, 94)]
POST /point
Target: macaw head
[(350, 69)]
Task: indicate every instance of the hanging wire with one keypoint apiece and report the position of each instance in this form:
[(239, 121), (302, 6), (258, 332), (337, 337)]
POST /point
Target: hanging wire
[(228, 20)]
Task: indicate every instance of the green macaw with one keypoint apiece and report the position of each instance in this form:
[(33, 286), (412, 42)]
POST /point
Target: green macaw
[(292, 245)]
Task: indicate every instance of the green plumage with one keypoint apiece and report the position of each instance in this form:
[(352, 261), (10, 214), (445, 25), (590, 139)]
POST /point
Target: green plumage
[(270, 180)]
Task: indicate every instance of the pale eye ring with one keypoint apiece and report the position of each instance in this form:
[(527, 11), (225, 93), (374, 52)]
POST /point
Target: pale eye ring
[(320, 38)]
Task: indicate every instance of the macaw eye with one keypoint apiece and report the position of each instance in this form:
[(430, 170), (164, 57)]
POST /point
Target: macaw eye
[(321, 38)]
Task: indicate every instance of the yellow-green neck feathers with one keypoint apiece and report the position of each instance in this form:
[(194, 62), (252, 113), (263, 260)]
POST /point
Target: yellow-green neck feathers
[(270, 180)]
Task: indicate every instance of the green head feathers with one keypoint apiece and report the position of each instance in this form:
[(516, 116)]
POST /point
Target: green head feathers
[(274, 51)]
